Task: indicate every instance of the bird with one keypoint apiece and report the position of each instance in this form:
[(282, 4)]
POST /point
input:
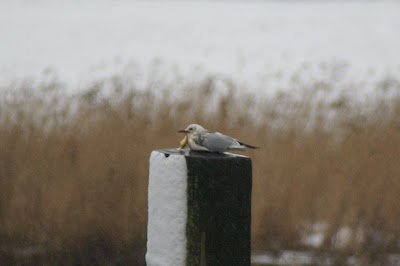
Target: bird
[(200, 139)]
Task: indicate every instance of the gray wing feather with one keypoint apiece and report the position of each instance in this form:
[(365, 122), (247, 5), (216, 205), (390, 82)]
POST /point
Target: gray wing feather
[(218, 142)]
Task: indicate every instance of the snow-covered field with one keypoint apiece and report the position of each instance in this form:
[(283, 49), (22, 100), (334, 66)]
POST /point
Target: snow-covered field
[(259, 45)]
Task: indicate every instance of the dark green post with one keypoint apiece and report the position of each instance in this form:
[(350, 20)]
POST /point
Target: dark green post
[(218, 208)]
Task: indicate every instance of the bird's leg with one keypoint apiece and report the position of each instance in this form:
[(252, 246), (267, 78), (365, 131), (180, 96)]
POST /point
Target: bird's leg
[(183, 143)]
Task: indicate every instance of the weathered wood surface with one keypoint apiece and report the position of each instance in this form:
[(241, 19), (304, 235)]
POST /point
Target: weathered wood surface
[(218, 207)]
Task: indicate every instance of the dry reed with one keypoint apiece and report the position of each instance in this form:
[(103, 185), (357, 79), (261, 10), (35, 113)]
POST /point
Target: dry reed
[(73, 170)]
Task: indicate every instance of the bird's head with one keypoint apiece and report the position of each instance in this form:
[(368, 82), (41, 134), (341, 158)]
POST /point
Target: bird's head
[(192, 129)]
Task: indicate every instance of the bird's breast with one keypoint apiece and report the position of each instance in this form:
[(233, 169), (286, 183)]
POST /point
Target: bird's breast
[(194, 146)]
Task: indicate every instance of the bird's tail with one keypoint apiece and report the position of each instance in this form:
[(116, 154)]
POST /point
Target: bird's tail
[(248, 146)]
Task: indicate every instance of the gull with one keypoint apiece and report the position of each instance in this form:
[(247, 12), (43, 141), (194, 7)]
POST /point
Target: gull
[(201, 139)]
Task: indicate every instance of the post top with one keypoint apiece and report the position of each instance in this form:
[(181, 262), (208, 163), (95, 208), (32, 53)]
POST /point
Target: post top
[(201, 154)]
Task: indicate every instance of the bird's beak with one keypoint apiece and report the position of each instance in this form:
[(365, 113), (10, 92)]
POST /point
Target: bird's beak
[(183, 131)]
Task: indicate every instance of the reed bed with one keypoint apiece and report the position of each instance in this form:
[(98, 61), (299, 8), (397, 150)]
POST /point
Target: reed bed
[(74, 168)]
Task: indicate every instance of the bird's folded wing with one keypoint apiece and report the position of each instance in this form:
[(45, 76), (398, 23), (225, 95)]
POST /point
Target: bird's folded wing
[(218, 142)]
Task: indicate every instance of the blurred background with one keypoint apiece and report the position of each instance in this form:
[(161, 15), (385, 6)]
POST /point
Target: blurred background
[(89, 88)]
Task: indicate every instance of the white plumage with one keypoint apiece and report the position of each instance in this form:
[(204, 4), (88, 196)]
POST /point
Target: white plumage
[(201, 139)]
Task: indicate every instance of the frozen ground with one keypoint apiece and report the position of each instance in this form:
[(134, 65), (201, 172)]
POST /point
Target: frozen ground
[(260, 45), (288, 257)]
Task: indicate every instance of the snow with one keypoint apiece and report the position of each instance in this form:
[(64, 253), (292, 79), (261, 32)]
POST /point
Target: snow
[(343, 237), (286, 257), (260, 44), (290, 257), (166, 238), (314, 235)]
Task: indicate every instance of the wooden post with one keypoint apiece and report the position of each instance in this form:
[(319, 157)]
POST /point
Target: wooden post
[(199, 208)]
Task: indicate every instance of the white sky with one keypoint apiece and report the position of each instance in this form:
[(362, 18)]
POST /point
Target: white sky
[(242, 40)]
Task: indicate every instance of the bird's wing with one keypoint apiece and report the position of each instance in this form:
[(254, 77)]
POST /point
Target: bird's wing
[(215, 141)]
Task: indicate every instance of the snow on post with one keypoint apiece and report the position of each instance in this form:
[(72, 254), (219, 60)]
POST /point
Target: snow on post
[(199, 208)]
